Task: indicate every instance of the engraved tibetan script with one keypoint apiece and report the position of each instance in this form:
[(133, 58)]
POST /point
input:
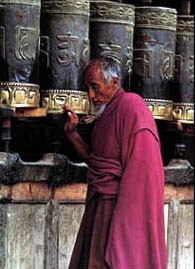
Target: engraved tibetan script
[(191, 68), (68, 49), (2, 42), (111, 51), (86, 51), (44, 50), (143, 63), (178, 67), (166, 59), (129, 61), (26, 40)]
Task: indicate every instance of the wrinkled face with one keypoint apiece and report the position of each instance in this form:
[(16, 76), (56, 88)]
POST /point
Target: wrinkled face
[(99, 92)]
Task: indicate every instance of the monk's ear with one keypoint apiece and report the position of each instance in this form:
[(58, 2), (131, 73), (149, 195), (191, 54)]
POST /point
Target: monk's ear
[(114, 83)]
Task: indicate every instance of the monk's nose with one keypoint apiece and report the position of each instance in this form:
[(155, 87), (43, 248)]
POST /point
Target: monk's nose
[(91, 93)]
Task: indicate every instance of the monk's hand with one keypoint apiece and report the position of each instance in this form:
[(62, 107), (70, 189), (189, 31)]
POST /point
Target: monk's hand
[(71, 122)]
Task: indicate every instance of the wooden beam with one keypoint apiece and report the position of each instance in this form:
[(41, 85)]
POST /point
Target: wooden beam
[(185, 238), (172, 234)]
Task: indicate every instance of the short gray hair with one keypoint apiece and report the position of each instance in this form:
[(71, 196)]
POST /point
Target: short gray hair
[(108, 67)]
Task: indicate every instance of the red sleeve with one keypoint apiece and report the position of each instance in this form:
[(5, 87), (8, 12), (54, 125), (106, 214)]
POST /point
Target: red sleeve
[(137, 237)]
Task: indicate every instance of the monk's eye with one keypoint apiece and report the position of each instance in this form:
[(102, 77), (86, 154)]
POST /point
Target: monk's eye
[(95, 86)]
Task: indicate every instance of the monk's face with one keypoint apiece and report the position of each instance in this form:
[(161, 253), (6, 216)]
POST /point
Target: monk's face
[(99, 91)]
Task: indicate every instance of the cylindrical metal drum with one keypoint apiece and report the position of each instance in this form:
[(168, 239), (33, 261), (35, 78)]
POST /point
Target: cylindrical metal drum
[(111, 34), (64, 53), (183, 108), (119, 1), (154, 58), (19, 52)]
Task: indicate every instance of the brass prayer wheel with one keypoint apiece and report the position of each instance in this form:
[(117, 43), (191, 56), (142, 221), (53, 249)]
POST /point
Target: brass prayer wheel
[(154, 58), (64, 53), (54, 99), (19, 94), (111, 34), (183, 107), (19, 49)]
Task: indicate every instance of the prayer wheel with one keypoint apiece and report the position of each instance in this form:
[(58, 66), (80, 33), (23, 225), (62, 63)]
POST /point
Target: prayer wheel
[(64, 53), (119, 1), (19, 50), (154, 58), (183, 107), (111, 34)]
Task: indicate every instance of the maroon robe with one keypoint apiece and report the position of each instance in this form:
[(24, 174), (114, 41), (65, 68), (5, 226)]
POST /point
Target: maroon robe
[(125, 161)]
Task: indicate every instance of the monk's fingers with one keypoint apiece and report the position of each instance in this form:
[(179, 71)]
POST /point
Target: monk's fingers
[(73, 118), (69, 109), (71, 123), (65, 107), (73, 114), (69, 126)]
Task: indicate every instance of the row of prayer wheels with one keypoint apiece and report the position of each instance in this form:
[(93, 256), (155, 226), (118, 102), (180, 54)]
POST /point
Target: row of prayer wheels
[(44, 47)]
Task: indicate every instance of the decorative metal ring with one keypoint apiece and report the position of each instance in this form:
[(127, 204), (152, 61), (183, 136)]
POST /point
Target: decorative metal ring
[(185, 25), (21, 2), (54, 99), (156, 18), (13, 94), (106, 11), (71, 7), (183, 112), (161, 109)]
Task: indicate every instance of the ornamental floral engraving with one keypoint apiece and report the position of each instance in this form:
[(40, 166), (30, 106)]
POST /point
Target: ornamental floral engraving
[(185, 25), (112, 11), (161, 109), (183, 112), (26, 41), (155, 19), (68, 6), (21, 2), (19, 94), (54, 99)]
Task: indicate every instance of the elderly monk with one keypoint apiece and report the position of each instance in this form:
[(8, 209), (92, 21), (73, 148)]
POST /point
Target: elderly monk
[(123, 223)]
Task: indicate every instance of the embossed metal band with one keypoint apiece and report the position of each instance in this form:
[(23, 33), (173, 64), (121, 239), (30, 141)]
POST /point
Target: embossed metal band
[(20, 2), (54, 99), (161, 109), (112, 12), (14, 94), (77, 7), (185, 25), (156, 18), (183, 112)]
